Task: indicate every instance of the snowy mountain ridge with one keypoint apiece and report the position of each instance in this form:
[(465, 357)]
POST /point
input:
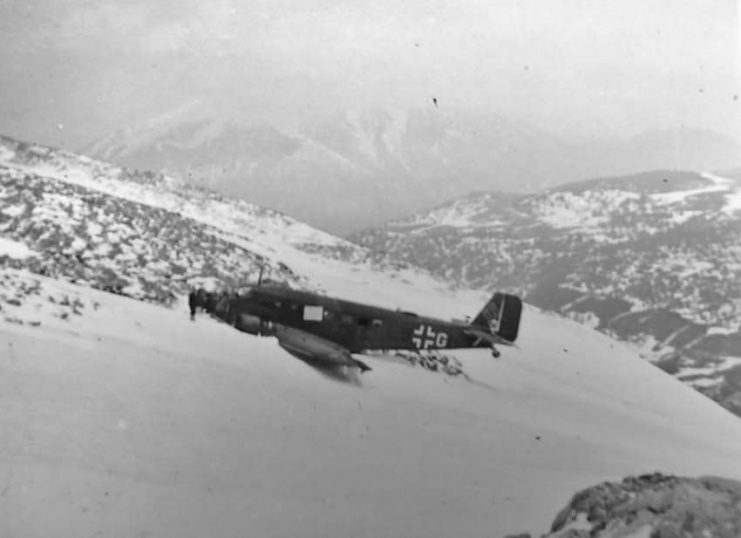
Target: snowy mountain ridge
[(159, 191), (654, 259), (562, 208)]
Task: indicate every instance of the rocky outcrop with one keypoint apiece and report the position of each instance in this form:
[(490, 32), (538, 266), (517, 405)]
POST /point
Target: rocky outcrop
[(652, 506)]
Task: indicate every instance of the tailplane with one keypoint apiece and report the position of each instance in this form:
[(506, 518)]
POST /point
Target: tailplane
[(501, 316)]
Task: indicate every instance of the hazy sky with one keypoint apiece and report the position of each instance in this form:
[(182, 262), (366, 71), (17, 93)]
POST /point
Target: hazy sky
[(73, 70)]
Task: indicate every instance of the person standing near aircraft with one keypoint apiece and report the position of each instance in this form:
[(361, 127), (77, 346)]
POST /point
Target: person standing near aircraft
[(196, 299)]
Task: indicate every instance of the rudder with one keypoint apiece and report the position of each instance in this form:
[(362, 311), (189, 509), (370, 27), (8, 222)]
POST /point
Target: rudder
[(501, 316)]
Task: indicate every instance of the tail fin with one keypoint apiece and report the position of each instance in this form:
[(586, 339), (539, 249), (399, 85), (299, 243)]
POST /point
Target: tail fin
[(501, 316)]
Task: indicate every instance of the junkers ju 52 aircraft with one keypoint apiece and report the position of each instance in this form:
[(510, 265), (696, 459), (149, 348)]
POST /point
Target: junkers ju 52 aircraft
[(328, 331)]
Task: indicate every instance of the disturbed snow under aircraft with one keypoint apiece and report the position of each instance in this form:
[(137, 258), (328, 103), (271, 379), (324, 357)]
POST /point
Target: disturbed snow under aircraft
[(328, 331)]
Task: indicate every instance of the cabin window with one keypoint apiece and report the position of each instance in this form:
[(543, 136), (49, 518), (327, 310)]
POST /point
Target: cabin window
[(293, 306), (347, 318), (313, 313), (377, 322), (363, 322)]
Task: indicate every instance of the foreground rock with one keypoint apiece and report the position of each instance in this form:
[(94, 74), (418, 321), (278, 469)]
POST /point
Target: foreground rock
[(652, 506)]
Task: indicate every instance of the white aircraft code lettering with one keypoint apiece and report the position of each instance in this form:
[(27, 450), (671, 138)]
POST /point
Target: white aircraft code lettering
[(425, 337), (495, 323)]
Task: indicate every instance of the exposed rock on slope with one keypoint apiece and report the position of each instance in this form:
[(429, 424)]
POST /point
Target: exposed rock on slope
[(142, 234), (655, 506)]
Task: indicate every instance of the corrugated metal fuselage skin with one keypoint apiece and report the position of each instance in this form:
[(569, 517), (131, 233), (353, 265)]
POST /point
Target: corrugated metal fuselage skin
[(357, 327), (310, 346)]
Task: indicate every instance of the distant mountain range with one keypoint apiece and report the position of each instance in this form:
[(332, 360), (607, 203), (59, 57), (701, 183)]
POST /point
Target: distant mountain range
[(361, 168), (653, 258)]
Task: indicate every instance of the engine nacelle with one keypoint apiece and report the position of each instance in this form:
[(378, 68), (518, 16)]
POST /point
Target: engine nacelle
[(253, 325)]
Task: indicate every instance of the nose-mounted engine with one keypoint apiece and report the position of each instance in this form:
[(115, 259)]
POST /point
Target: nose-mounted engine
[(238, 309)]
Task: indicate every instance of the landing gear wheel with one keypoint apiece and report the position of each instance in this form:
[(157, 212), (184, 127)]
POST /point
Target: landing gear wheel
[(495, 352)]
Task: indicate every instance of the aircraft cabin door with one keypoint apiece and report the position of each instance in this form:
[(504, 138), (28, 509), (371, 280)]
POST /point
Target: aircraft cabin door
[(369, 333)]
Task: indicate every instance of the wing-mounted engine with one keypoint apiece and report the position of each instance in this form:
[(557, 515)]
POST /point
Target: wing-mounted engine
[(253, 325)]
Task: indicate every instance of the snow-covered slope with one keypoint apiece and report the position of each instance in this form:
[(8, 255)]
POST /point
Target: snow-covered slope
[(653, 258), (127, 419)]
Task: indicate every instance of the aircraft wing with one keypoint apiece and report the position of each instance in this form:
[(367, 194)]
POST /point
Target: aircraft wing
[(487, 336), (312, 348)]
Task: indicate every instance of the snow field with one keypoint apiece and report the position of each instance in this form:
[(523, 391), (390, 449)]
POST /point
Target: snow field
[(134, 421)]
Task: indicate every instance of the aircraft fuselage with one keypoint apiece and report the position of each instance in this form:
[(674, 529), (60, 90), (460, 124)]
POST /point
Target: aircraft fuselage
[(357, 327)]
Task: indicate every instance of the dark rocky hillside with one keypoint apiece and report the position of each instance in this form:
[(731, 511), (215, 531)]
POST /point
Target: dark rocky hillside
[(120, 230), (654, 259), (89, 237)]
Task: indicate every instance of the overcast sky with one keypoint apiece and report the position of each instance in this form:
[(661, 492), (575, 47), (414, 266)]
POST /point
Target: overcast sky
[(73, 70)]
